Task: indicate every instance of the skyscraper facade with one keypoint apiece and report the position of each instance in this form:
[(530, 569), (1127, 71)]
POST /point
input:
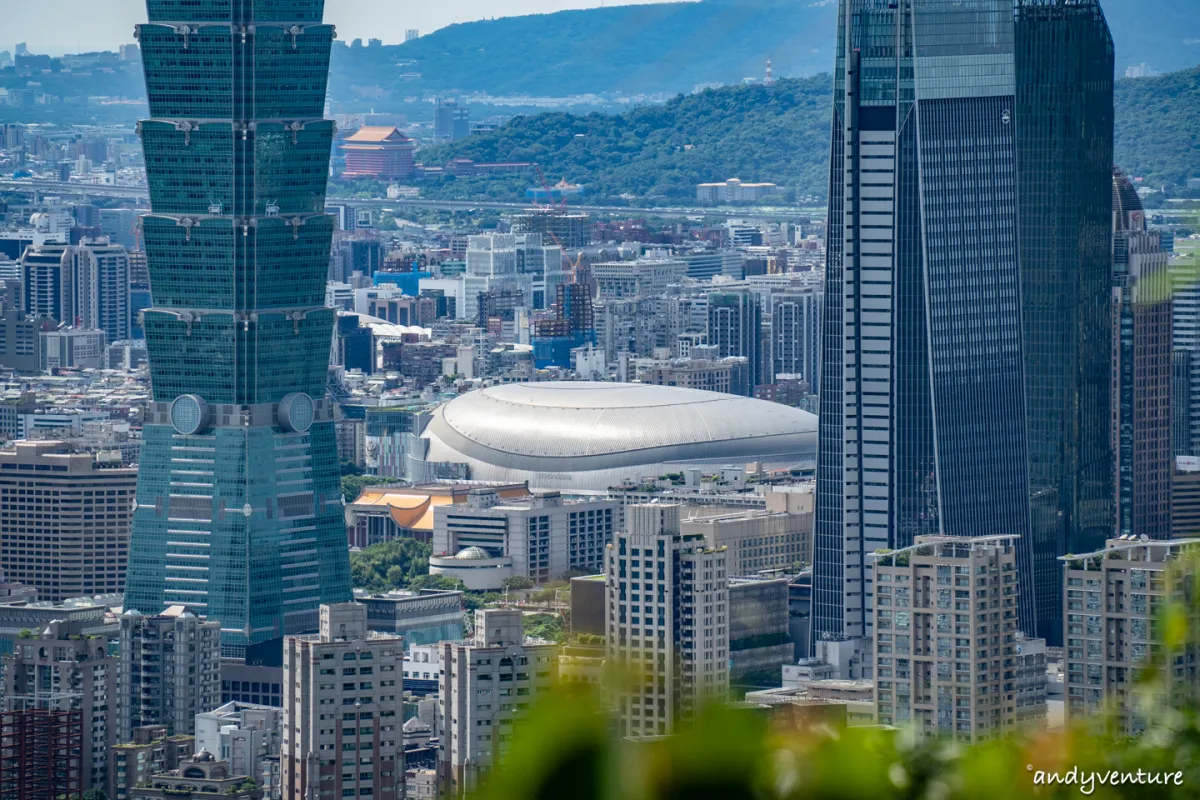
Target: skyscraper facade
[(1142, 444), (238, 508), (735, 329), (922, 417), (1064, 126)]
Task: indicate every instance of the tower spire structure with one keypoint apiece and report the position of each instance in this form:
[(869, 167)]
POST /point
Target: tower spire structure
[(239, 511)]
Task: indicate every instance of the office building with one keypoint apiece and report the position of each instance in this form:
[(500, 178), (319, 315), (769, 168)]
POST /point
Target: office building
[(73, 348), (199, 775), (21, 339), (379, 152), (485, 685), (1063, 121), (62, 669), (1113, 598), (1185, 498), (170, 670), (946, 636), (1030, 684), (64, 520), (920, 333), (760, 642), (259, 682), (756, 540), (569, 230), (341, 710), (541, 538), (424, 617), (1141, 370), (666, 620), (735, 329), (451, 121), (643, 277), (793, 335), (150, 752), (246, 736), (239, 512), (733, 190)]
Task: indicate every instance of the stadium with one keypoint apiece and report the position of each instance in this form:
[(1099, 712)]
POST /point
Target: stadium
[(590, 436)]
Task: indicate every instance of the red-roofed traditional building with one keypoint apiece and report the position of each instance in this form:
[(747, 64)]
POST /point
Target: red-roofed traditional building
[(378, 152)]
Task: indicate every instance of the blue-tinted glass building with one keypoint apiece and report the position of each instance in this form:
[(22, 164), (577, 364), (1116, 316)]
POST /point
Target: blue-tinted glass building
[(922, 416), (239, 512)]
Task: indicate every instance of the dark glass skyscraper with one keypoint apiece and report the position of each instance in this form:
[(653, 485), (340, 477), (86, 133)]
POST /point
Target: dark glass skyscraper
[(1064, 123), (922, 423), (239, 512)]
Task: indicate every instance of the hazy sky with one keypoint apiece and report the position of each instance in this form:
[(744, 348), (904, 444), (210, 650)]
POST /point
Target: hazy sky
[(82, 25)]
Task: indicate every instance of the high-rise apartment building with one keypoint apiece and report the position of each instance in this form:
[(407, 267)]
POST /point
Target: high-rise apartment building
[(170, 670), (1141, 370), (735, 329), (920, 332), (239, 511), (64, 670), (1063, 119), (64, 520), (1114, 598), (46, 281), (40, 758), (946, 636), (341, 710), (794, 335), (100, 288), (484, 685), (666, 621)]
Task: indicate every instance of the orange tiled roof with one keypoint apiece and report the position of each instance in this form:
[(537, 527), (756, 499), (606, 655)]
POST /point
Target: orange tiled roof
[(378, 134)]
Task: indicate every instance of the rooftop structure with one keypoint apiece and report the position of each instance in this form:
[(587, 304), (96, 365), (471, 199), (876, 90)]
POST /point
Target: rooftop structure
[(378, 152)]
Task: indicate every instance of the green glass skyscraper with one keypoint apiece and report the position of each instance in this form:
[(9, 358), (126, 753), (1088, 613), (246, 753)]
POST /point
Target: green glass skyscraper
[(239, 511), (1064, 121)]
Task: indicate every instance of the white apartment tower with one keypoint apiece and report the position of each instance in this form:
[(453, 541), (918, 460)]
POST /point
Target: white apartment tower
[(341, 703), (484, 685), (666, 615)]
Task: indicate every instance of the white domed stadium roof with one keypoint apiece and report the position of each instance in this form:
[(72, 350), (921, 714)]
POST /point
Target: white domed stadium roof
[(557, 427)]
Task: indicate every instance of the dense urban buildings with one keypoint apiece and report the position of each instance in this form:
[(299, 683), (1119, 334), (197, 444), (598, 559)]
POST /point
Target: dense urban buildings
[(170, 670), (920, 333), (485, 685), (1113, 599), (1142, 370), (341, 720), (945, 636), (666, 621), (64, 520), (1062, 116), (239, 511), (149, 752)]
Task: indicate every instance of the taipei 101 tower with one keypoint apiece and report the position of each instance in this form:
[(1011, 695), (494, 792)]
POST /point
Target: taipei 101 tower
[(239, 513)]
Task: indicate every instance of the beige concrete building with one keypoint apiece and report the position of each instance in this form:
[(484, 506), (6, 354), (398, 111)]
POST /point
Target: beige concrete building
[(64, 520), (756, 540), (341, 710), (151, 752), (946, 636), (485, 684), (1110, 599), (666, 619)]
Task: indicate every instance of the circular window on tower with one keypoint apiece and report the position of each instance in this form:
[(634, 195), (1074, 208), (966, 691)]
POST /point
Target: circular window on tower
[(189, 414), (297, 411)]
